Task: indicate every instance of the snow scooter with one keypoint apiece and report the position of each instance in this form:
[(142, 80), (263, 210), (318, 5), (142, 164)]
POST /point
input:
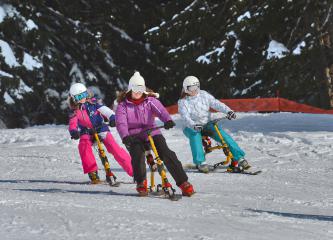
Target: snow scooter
[(110, 178), (153, 168), (207, 145), (156, 164), (208, 148)]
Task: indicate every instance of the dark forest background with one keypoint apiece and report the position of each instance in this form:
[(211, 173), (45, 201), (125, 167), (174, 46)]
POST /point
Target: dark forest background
[(224, 43)]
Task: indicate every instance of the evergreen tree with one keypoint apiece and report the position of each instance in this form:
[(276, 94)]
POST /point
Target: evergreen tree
[(239, 49)]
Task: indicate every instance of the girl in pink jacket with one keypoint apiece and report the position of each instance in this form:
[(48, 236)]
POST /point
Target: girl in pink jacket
[(88, 115)]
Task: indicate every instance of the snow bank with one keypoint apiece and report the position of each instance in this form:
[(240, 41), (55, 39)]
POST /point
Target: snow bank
[(298, 49), (31, 62), (8, 54), (2, 14), (205, 59), (8, 99), (22, 89), (4, 74), (30, 25), (276, 50), (7, 10), (244, 16), (76, 74)]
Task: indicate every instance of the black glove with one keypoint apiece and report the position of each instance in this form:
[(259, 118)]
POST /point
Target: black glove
[(75, 134), (169, 124), (91, 131), (112, 121), (128, 141), (231, 115), (198, 127)]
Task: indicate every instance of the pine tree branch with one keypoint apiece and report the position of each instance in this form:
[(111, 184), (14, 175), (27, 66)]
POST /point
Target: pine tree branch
[(192, 5), (298, 23), (329, 15)]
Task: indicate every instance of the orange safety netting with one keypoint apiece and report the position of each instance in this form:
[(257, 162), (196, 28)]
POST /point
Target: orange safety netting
[(265, 105)]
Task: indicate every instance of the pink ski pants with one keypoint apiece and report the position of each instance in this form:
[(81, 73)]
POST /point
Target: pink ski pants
[(88, 159)]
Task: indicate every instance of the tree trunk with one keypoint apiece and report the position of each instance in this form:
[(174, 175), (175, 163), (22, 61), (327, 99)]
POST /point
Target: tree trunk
[(327, 57)]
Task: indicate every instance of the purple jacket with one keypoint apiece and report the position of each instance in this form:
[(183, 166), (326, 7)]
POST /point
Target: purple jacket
[(132, 118)]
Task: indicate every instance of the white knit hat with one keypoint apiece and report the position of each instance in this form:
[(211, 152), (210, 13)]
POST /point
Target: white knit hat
[(136, 82)]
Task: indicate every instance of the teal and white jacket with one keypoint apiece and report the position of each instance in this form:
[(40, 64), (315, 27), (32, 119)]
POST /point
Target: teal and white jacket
[(194, 110)]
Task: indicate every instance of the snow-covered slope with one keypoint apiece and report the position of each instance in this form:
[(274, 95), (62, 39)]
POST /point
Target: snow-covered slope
[(42, 195)]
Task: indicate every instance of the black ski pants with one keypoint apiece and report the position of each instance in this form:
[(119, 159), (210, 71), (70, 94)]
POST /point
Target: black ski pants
[(169, 158)]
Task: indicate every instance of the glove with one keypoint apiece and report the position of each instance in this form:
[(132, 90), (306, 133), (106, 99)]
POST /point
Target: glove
[(112, 121), (231, 115), (169, 124), (91, 131), (198, 127), (128, 141), (75, 134)]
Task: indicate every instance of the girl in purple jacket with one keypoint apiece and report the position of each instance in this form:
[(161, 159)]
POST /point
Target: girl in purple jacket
[(135, 113)]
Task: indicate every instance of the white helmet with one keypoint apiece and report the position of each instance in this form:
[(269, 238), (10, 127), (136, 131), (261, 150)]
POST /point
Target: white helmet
[(190, 84), (78, 91), (136, 83)]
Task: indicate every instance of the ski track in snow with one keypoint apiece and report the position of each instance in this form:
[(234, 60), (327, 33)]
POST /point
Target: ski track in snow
[(43, 194)]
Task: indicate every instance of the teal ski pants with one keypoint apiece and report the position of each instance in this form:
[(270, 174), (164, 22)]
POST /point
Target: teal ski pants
[(197, 150)]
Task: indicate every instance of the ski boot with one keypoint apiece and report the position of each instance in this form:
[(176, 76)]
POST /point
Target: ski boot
[(203, 167), (187, 189), (142, 189), (94, 178), (238, 166), (243, 164), (234, 167)]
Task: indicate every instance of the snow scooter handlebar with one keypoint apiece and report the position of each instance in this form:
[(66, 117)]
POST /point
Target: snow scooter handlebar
[(149, 130), (216, 120)]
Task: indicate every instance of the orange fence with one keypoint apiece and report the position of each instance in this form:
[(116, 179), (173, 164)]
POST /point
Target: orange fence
[(265, 105)]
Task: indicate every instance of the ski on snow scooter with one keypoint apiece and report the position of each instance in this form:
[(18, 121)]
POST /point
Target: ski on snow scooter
[(156, 164), (207, 145)]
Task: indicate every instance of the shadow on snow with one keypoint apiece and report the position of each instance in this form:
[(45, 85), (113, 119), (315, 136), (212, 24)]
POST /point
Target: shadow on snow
[(52, 181), (57, 190), (295, 215)]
